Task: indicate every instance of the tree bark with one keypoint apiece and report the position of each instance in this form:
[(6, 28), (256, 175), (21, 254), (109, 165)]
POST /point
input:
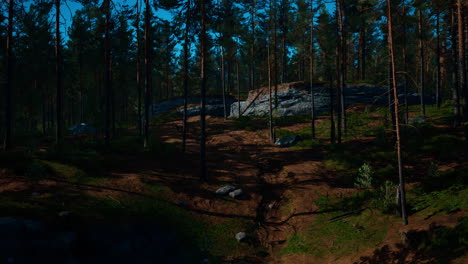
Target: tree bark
[(186, 75), (422, 63), (252, 49), (342, 66), (439, 74), (270, 99), (58, 69), (405, 61), (462, 68), (332, 114), (203, 169), (148, 72), (275, 55), (312, 99), (107, 74), (9, 78), (223, 82), (397, 121), (138, 70)]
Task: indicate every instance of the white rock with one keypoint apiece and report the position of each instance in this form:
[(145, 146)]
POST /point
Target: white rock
[(236, 193), (225, 189), (240, 236)]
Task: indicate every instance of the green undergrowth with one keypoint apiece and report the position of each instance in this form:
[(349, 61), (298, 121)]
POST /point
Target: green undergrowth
[(341, 236), (248, 123), (428, 204), (441, 243), (217, 240)]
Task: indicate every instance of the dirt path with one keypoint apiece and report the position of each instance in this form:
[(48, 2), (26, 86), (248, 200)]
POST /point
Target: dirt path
[(281, 184)]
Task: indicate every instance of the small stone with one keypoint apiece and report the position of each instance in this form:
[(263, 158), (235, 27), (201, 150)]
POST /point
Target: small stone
[(64, 213), (240, 236), (205, 261), (236, 193), (225, 189), (271, 206)]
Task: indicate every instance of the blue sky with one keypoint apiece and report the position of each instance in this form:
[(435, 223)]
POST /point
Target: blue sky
[(69, 7)]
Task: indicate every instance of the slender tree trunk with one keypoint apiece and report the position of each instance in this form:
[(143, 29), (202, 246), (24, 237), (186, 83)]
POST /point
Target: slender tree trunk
[(138, 70), (148, 72), (252, 49), (81, 84), (342, 67), (223, 83), (422, 63), (58, 69), (455, 79), (405, 61), (112, 96), (203, 168), (339, 72), (9, 78), (275, 56), (238, 80), (270, 99), (439, 74), (332, 114), (107, 75), (186, 74), (397, 124), (462, 68), (284, 11), (312, 99)]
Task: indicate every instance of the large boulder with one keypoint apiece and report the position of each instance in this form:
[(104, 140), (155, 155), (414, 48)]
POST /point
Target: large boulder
[(295, 99), (212, 110), (177, 103)]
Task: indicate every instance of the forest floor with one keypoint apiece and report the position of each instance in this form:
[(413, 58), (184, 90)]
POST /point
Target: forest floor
[(300, 204)]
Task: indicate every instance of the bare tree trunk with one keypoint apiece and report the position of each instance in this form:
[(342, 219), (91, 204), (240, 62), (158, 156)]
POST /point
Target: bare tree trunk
[(186, 73), (397, 124), (342, 70), (58, 69), (148, 72), (462, 68), (339, 71), (332, 114), (284, 18), (405, 62), (455, 84), (203, 169), (252, 49), (270, 99), (275, 56), (422, 63), (223, 83), (107, 74), (312, 99), (439, 74), (80, 70), (238, 79), (138, 70), (9, 78)]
